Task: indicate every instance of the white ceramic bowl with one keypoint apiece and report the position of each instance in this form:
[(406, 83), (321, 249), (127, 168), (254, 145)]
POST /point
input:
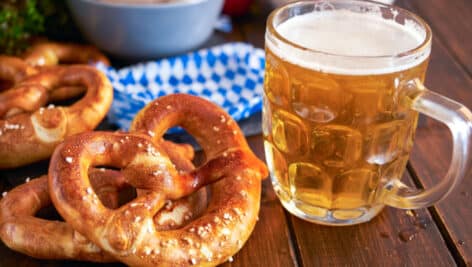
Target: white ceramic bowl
[(146, 31)]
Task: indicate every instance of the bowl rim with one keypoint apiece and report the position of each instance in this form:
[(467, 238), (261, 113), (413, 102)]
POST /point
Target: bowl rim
[(144, 6)]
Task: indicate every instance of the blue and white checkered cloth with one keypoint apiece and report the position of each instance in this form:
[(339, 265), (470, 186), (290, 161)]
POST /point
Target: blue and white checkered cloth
[(230, 75)]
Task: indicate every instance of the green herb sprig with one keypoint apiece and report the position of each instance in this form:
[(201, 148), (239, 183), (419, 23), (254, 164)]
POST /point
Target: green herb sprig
[(20, 20)]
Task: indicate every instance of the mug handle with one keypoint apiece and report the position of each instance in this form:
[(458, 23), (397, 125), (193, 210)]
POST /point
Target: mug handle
[(459, 121)]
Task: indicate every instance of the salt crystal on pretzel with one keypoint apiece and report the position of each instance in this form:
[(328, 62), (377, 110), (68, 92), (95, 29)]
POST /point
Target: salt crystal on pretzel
[(20, 230), (209, 240), (45, 239), (41, 130)]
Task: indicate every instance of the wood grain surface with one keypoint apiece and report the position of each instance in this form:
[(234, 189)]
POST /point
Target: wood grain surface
[(451, 23), (449, 74)]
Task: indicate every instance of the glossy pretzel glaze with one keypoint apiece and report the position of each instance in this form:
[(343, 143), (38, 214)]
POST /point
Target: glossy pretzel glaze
[(45, 239), (27, 136), (51, 54), (14, 69), (129, 233), (21, 231)]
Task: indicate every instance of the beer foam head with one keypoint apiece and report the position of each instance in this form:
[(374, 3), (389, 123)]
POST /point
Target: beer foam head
[(347, 42)]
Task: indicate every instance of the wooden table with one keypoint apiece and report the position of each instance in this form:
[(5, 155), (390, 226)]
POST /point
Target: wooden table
[(437, 236)]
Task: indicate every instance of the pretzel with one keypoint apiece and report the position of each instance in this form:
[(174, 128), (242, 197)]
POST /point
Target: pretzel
[(25, 98), (51, 53), (44, 239), (26, 136), (129, 233), (13, 70), (22, 99), (182, 211)]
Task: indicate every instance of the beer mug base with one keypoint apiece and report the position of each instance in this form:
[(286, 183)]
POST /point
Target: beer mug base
[(324, 216)]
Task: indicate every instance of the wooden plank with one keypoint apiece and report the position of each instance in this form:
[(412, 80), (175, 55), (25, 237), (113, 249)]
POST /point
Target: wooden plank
[(445, 75), (384, 241), (431, 154), (450, 22), (430, 161), (269, 243)]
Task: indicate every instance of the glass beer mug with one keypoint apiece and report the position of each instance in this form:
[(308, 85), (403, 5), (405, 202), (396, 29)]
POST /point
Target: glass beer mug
[(342, 92)]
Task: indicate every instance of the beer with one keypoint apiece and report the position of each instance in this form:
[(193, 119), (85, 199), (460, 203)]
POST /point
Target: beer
[(337, 126)]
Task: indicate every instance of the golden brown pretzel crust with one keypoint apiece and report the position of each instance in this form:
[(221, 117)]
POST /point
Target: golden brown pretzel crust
[(29, 137), (182, 211), (14, 69), (22, 99), (44, 239), (50, 54), (129, 233)]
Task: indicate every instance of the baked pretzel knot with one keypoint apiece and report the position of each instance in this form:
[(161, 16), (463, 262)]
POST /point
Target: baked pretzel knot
[(47, 239), (129, 232), (28, 134)]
